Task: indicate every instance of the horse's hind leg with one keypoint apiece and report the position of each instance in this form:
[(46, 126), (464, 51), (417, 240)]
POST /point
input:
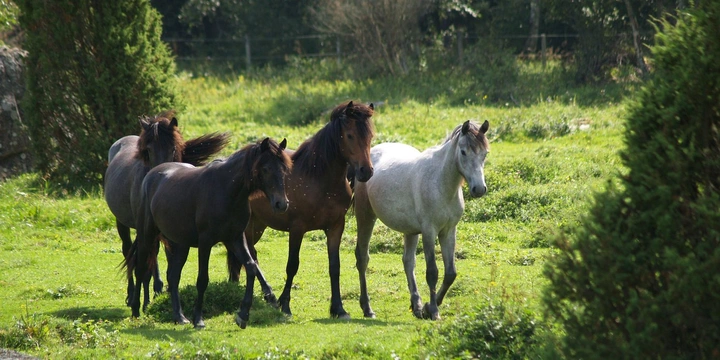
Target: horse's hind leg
[(124, 233), (176, 261), (202, 282), (157, 280), (365, 224), (291, 269), (447, 245), (409, 249)]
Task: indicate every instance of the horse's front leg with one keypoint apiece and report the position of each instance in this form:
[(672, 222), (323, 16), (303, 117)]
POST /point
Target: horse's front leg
[(409, 249), (365, 223), (430, 310), (243, 315), (202, 280), (447, 246), (334, 235)]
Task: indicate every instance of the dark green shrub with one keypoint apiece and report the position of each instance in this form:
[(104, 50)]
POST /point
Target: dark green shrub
[(93, 68), (639, 278)]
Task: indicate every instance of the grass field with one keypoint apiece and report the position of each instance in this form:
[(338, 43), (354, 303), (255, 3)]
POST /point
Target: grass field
[(62, 292)]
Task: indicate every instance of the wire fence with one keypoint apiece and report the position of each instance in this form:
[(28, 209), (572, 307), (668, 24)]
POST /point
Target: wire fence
[(249, 51)]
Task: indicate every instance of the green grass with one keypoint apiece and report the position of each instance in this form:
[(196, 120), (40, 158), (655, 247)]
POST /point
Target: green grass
[(62, 291)]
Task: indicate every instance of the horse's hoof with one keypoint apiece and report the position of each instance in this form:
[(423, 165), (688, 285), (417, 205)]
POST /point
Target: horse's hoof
[(238, 320), (370, 315), (427, 314), (271, 299), (343, 316), (182, 320), (200, 325)]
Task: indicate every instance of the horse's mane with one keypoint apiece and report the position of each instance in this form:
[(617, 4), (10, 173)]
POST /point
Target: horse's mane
[(161, 130), (479, 138), (253, 155), (314, 156)]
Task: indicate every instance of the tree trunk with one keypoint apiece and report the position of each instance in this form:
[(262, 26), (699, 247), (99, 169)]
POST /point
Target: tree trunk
[(636, 37), (531, 44)]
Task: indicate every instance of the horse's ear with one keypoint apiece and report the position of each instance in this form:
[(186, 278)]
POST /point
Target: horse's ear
[(372, 107), (145, 125), (265, 144), (349, 106), (283, 144), (465, 127), (174, 122), (485, 126)]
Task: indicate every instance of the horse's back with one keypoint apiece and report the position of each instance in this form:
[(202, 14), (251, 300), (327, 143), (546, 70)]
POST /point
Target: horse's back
[(389, 191), (122, 179), (126, 143)]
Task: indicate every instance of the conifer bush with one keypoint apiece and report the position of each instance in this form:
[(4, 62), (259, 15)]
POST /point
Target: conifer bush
[(640, 278), (93, 68)]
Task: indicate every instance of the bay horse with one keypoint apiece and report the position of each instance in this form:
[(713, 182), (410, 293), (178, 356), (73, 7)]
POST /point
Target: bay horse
[(201, 206), (416, 193), (132, 156), (319, 194)]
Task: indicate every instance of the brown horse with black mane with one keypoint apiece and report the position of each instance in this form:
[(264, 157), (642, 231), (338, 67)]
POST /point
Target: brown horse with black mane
[(319, 194), (131, 157)]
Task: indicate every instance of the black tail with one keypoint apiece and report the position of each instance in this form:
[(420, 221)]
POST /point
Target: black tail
[(129, 262), (197, 151)]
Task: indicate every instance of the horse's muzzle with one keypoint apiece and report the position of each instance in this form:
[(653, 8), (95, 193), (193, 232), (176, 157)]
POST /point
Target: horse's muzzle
[(281, 205), (478, 190), (364, 173)]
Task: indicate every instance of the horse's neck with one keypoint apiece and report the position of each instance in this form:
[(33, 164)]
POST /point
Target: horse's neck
[(231, 172), (442, 166)]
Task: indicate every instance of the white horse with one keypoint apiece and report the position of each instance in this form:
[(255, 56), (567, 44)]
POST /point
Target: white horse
[(416, 193)]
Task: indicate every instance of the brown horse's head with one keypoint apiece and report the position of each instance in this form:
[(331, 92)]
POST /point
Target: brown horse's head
[(270, 164), (356, 134), (160, 139)]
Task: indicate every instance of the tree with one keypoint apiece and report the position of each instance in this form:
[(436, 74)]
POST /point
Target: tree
[(93, 68), (639, 278), (382, 34)]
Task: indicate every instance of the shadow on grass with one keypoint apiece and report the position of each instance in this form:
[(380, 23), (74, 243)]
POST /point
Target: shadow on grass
[(361, 322), (221, 298), (113, 314)]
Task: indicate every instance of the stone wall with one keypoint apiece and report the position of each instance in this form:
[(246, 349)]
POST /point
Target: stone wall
[(15, 156)]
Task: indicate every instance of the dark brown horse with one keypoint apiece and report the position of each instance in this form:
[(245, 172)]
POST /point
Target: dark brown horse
[(199, 207), (131, 157), (319, 194)]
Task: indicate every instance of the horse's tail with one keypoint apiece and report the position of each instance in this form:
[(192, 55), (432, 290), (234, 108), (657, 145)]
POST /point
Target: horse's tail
[(198, 150), (129, 261)]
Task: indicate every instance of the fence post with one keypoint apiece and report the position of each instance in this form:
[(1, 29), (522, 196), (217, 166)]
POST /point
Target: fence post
[(337, 49), (248, 61), (460, 48), (543, 47)]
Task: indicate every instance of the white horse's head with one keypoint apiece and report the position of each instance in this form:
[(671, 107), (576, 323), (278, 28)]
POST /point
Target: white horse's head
[(472, 148)]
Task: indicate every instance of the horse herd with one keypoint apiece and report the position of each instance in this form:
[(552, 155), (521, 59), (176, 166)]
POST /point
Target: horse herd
[(160, 185)]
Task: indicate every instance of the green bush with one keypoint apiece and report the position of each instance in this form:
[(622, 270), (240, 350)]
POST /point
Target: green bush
[(639, 277), (93, 68), (490, 332)]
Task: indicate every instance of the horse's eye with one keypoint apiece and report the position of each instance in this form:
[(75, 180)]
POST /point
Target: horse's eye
[(463, 152), (349, 136)]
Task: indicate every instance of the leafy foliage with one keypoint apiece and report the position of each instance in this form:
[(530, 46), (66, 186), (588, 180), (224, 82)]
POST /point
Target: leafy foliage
[(490, 332), (93, 68), (639, 278)]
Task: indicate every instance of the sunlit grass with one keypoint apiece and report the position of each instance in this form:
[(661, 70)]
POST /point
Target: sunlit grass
[(59, 253)]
